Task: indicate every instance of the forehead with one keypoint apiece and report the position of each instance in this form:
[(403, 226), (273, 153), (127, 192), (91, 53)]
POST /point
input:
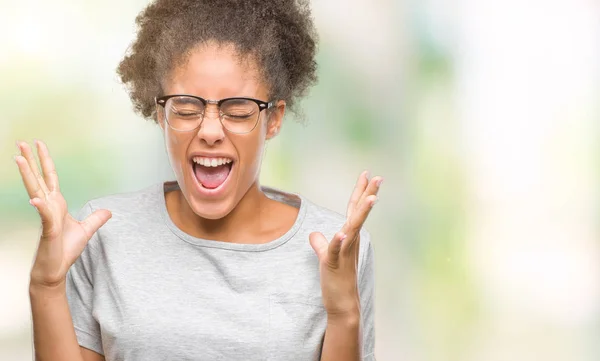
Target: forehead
[(215, 71)]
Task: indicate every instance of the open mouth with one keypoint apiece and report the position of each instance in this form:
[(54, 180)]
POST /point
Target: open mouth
[(211, 173)]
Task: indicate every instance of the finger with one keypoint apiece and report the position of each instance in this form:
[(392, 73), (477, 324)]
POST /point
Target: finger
[(94, 221), (353, 226), (33, 165), (29, 180), (50, 175), (371, 189), (359, 188), (353, 222), (333, 251), (319, 244)]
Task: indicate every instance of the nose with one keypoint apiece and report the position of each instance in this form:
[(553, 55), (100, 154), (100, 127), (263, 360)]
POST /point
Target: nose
[(211, 130)]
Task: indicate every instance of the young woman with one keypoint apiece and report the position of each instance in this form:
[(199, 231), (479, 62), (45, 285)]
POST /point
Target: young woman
[(210, 266)]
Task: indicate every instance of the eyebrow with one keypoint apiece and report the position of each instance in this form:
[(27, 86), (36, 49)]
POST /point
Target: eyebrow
[(187, 100), (237, 100)]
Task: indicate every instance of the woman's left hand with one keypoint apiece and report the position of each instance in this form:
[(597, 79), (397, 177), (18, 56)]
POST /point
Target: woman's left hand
[(338, 259)]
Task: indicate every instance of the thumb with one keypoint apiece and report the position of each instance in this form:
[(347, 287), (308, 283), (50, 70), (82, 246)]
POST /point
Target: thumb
[(94, 221), (319, 244)]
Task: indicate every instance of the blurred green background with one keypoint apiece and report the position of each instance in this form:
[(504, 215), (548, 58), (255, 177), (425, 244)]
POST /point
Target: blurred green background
[(482, 116)]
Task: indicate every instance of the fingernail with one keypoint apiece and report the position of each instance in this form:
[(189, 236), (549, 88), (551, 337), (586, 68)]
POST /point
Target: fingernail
[(18, 145), (374, 201), (343, 237), (379, 182), (31, 202), (368, 175)]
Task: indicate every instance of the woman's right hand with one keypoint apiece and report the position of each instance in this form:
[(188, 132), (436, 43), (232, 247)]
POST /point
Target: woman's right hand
[(63, 238)]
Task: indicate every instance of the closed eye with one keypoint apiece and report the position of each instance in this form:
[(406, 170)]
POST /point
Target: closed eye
[(239, 116), (187, 114)]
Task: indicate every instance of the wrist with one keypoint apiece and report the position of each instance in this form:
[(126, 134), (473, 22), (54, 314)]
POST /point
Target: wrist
[(343, 308), (37, 289), (348, 318)]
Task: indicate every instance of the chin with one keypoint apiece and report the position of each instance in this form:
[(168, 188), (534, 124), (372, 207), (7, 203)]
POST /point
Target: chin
[(214, 210)]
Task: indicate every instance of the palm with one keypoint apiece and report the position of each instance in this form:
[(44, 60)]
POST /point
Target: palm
[(63, 237), (74, 239)]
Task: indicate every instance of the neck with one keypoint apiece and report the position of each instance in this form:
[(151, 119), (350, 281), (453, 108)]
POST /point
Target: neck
[(243, 220)]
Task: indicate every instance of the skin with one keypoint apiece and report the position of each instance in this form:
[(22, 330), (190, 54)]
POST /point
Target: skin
[(213, 71)]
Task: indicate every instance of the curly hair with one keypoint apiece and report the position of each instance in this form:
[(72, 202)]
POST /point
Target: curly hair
[(278, 34)]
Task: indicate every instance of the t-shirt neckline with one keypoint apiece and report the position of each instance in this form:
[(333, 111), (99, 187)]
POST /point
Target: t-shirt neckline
[(293, 199)]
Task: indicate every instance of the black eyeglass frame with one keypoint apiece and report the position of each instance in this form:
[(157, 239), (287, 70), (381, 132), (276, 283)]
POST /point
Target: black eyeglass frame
[(262, 105)]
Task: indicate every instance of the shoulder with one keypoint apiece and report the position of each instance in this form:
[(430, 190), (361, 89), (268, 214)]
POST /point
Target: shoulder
[(126, 202), (136, 215)]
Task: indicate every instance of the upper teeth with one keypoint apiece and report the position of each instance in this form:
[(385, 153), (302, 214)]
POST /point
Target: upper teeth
[(211, 162)]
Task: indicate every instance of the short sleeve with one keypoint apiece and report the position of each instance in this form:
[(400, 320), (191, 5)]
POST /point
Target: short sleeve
[(366, 288), (80, 293)]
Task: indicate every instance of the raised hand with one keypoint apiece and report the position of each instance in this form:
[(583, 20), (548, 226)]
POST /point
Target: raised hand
[(338, 259), (63, 238)]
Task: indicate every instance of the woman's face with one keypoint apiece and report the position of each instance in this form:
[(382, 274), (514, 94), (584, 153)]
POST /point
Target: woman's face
[(215, 72)]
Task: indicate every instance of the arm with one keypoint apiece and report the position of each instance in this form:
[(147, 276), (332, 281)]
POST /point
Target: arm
[(352, 336), (53, 332), (347, 292), (342, 338), (62, 241)]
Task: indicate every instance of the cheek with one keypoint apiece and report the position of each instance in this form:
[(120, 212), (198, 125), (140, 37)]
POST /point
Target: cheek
[(251, 153), (175, 146)]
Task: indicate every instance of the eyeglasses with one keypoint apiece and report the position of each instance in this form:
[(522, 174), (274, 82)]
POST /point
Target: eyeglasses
[(185, 113)]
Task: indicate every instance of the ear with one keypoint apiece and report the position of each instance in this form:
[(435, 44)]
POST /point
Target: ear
[(275, 119), (160, 119)]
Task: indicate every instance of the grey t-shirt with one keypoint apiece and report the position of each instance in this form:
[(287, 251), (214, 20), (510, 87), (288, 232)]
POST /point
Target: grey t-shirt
[(145, 290)]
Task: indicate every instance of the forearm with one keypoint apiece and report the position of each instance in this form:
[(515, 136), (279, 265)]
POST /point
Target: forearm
[(53, 332), (342, 338)]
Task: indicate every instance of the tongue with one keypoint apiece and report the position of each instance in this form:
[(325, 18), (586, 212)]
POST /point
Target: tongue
[(211, 177)]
